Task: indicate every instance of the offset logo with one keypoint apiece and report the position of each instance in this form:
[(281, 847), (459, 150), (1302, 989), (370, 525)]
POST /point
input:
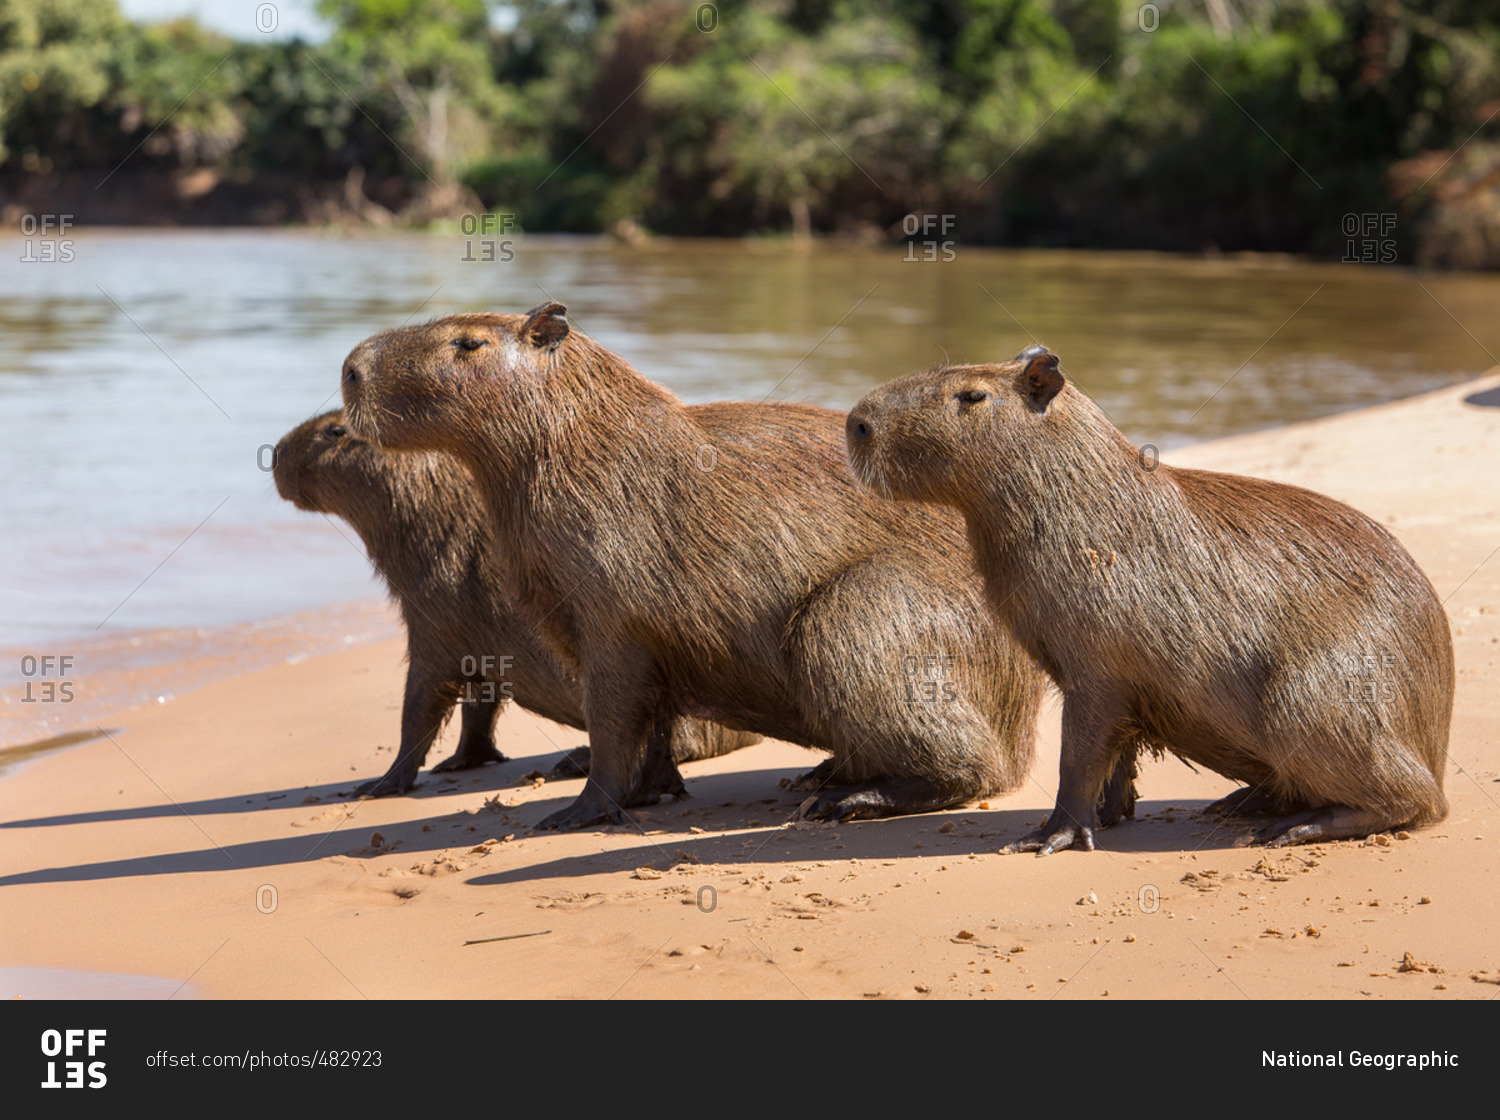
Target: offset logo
[(74, 1045)]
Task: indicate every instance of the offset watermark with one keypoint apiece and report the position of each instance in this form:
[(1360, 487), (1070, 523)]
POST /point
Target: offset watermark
[(706, 18), (75, 1045), (46, 238), (267, 18), (1148, 898), (1370, 679), (266, 898), (1148, 18), (1149, 456), (487, 238), (484, 678), (927, 237), (46, 677), (929, 678), (1368, 238)]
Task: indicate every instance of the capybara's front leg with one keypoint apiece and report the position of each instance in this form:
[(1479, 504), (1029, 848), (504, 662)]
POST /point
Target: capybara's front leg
[(620, 714), (659, 776), (1093, 737), (476, 743), (424, 709)]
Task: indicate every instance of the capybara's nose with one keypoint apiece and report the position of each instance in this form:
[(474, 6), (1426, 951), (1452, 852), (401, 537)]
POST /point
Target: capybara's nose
[(351, 375), (858, 429)]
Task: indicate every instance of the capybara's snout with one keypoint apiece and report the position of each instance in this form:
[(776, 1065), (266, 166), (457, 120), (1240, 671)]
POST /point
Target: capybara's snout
[(278, 457)]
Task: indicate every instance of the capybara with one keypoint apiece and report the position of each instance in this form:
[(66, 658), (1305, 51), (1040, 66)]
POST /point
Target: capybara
[(717, 561), (1266, 632), (425, 530)]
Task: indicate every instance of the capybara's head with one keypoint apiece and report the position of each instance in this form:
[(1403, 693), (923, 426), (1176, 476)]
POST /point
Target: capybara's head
[(422, 387), (320, 465), (940, 436)]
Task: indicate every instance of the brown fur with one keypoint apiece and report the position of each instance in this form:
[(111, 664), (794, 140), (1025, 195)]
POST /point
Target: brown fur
[(424, 528), (1269, 633), (717, 561)]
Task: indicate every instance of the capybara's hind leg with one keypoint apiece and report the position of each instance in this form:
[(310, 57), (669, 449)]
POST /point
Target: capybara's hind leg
[(1117, 802), (659, 775), (886, 797), (476, 743), (574, 764), (1331, 822), (821, 775), (1249, 801)]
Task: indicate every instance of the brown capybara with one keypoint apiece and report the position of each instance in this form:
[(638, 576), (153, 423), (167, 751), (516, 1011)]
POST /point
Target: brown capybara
[(1266, 632), (425, 531), (717, 561)]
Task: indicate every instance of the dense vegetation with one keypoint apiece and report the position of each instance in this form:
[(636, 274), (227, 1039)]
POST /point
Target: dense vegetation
[(1235, 124)]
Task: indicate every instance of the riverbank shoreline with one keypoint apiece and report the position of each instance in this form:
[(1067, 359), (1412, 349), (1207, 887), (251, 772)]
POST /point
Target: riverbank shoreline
[(216, 839)]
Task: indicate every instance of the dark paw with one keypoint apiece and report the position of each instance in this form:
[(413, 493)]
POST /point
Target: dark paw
[(591, 807), (392, 782), (1117, 803), (1248, 802), (652, 788), (815, 779), (469, 758), (846, 805), (1061, 831), (574, 764)]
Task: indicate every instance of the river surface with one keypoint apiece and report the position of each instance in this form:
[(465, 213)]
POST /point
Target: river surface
[(142, 381)]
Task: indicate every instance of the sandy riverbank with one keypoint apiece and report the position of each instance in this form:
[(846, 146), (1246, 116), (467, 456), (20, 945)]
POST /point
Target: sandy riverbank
[(213, 838)]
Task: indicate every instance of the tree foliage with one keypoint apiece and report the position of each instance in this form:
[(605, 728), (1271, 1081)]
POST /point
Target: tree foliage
[(1238, 123)]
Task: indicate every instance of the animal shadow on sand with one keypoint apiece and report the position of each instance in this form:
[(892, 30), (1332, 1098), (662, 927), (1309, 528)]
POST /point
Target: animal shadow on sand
[(736, 818)]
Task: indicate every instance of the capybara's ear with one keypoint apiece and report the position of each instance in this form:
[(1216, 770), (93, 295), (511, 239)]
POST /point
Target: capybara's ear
[(546, 325), (1041, 378)]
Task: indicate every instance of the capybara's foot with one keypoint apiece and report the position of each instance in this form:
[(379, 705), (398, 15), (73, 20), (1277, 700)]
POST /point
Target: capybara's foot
[(1331, 822), (1247, 802), (843, 805), (1117, 802), (574, 764), (816, 778), (593, 806), (883, 797), (659, 778), (470, 757), (398, 779), (1061, 831)]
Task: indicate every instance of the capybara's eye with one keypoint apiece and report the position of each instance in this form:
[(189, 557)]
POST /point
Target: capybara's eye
[(336, 430), (972, 396), (471, 343)]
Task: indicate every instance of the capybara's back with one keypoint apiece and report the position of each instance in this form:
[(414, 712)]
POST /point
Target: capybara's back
[(1272, 634), (718, 561)]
